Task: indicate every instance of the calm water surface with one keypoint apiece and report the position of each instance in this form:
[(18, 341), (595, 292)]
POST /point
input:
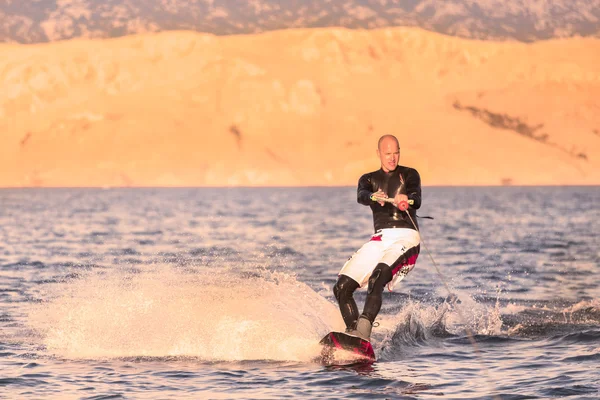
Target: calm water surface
[(225, 293)]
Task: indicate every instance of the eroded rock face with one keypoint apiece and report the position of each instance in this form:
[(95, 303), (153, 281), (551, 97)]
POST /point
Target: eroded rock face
[(297, 107), (51, 20)]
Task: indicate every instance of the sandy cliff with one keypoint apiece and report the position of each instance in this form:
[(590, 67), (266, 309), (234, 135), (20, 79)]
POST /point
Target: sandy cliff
[(298, 107)]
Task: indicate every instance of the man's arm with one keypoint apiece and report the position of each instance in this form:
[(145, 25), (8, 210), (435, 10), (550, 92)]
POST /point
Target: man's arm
[(364, 191), (413, 188)]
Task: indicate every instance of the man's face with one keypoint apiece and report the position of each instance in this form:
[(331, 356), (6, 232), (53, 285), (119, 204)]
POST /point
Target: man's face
[(389, 154)]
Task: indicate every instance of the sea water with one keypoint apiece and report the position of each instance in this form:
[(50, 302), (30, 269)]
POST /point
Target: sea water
[(207, 293)]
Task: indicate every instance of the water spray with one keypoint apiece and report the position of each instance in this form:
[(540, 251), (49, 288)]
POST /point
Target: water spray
[(451, 294), (468, 331)]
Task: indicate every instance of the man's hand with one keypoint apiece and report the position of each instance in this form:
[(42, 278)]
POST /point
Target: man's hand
[(379, 195), (401, 201)]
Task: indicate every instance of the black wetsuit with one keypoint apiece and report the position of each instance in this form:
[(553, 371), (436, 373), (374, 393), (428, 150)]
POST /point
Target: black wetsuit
[(388, 215)]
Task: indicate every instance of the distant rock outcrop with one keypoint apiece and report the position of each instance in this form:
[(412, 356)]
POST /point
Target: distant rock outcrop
[(51, 20)]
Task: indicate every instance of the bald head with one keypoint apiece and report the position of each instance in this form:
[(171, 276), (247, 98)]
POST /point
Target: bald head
[(385, 139), (388, 151)]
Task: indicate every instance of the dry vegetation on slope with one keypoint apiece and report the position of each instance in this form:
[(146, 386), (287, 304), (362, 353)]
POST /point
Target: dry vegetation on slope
[(51, 20), (297, 107)]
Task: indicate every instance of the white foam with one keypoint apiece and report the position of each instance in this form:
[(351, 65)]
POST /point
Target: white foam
[(419, 321), (214, 314)]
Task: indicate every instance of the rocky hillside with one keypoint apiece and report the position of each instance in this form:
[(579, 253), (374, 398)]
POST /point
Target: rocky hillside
[(36, 21), (298, 107)]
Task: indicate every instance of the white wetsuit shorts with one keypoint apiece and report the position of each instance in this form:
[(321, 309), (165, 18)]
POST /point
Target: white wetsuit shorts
[(396, 247)]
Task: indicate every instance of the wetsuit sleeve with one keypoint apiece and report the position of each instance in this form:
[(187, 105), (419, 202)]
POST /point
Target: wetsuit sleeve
[(364, 190), (413, 188)]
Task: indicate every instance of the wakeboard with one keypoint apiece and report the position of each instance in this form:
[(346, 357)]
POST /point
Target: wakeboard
[(339, 348)]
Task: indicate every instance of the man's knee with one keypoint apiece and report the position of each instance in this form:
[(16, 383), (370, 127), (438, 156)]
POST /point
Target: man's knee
[(382, 274), (344, 287)]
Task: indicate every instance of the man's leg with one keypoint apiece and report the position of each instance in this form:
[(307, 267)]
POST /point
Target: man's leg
[(354, 274), (343, 291), (403, 261), (382, 274), (398, 252)]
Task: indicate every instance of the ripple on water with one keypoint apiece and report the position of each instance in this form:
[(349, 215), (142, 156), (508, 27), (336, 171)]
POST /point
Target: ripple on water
[(524, 274)]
